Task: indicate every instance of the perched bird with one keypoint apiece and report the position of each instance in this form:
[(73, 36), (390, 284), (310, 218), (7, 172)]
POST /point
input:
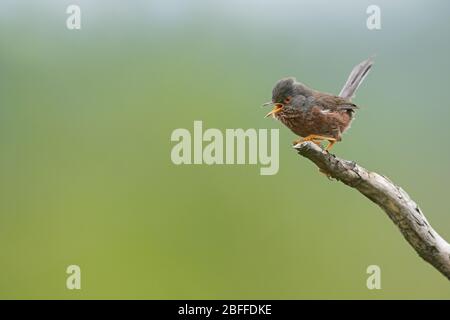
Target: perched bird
[(316, 116)]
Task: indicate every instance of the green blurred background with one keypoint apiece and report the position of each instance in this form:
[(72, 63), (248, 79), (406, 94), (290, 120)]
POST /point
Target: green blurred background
[(85, 170)]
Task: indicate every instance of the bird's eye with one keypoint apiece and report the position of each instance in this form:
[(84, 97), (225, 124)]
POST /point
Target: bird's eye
[(287, 100)]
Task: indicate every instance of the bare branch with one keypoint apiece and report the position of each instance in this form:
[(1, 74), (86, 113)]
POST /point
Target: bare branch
[(405, 213)]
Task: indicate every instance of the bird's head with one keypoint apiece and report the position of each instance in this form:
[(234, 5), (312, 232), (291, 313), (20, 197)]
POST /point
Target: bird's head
[(282, 94)]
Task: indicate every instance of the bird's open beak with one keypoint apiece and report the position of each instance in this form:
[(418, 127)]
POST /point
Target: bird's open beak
[(277, 107)]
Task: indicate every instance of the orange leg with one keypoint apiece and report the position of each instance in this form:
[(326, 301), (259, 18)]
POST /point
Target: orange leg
[(330, 144), (317, 142), (317, 139)]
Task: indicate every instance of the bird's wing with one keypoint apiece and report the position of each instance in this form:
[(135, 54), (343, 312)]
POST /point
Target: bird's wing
[(333, 103)]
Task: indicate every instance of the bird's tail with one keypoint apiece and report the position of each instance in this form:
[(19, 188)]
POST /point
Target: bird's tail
[(355, 78)]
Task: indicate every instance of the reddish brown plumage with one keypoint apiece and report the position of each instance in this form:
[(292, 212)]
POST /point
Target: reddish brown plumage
[(314, 115), (324, 115)]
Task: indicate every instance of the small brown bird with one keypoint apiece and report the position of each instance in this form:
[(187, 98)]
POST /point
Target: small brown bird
[(313, 115)]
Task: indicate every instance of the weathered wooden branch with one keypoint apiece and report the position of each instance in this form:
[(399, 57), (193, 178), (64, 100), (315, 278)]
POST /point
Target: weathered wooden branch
[(402, 210)]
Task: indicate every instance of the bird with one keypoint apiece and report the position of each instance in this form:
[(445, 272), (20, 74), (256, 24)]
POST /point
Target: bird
[(313, 115)]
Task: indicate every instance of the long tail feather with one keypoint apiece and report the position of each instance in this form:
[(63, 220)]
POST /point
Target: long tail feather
[(355, 78)]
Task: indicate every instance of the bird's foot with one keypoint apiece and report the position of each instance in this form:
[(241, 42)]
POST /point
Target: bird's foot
[(330, 145), (301, 140), (317, 139)]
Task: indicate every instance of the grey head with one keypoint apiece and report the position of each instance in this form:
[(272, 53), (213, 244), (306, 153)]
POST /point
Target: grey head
[(288, 94), (288, 88), (283, 89)]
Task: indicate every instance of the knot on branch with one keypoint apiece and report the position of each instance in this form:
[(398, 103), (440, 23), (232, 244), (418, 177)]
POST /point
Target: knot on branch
[(342, 170)]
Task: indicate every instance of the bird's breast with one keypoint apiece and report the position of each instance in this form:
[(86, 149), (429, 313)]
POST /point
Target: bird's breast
[(304, 122), (296, 120)]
